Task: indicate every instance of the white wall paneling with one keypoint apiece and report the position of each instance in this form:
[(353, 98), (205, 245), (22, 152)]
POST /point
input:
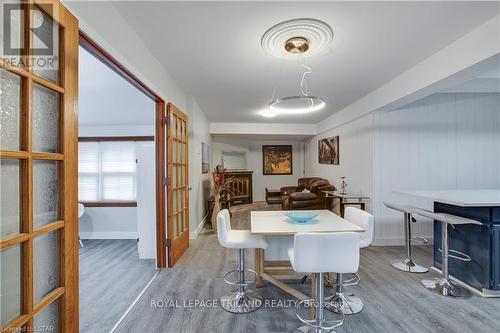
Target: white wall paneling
[(444, 141)]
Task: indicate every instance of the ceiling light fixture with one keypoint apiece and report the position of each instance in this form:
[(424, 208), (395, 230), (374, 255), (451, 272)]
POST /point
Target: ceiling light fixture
[(295, 39), (297, 45), (297, 104), (313, 35), (268, 113)]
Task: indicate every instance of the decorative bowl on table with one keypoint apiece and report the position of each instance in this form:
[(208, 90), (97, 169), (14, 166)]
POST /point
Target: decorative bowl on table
[(301, 217)]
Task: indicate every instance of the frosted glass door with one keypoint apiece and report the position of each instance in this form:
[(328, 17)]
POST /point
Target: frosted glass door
[(38, 171), (178, 186)]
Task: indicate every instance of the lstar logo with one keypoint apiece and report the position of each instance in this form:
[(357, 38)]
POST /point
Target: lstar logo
[(43, 33)]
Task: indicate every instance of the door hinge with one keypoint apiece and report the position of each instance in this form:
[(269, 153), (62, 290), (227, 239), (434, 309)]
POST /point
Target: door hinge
[(166, 120), (166, 181), (167, 242)]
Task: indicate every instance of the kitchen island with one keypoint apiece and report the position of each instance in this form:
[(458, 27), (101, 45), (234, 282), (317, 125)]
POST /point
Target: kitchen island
[(480, 242)]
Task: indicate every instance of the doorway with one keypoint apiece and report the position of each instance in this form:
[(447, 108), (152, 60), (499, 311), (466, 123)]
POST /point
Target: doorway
[(116, 193)]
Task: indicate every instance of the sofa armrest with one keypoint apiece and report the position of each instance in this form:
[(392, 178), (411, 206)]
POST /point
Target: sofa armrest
[(287, 190), (329, 187), (303, 196)]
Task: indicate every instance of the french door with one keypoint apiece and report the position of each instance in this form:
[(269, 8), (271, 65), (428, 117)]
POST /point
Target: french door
[(38, 156), (178, 184)]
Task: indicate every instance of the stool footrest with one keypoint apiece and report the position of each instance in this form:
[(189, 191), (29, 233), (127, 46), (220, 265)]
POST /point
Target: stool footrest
[(325, 325), (240, 283), (420, 240), (352, 281), (458, 255)]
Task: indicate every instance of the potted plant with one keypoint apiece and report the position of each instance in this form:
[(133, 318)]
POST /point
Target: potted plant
[(221, 187)]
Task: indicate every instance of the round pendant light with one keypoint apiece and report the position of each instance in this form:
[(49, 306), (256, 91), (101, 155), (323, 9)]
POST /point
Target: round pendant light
[(295, 39), (296, 104)]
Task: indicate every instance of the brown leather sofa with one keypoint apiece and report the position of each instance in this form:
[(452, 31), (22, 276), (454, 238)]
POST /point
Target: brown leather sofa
[(293, 197)]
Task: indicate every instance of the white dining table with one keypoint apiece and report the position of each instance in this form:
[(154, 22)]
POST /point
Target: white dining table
[(273, 264)]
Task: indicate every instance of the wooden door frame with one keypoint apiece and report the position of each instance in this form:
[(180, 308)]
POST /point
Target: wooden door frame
[(160, 150)]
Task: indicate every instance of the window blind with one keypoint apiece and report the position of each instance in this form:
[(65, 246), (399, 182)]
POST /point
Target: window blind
[(107, 171)]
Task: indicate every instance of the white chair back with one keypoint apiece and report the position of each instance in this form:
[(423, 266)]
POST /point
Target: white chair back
[(326, 252), (223, 226), (81, 210), (364, 220)]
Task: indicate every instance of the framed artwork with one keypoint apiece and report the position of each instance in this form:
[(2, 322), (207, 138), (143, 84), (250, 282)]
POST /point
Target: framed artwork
[(277, 160), (205, 164), (328, 150)]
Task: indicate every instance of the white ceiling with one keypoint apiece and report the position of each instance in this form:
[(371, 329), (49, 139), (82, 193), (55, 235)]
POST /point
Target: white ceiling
[(212, 49), (105, 98)]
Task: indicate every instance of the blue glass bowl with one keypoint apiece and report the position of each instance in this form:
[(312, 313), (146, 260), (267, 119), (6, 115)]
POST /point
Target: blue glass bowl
[(301, 217)]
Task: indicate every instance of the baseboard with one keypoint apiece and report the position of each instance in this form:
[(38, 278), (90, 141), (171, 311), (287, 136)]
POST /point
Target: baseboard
[(397, 241), (194, 234), (108, 235)]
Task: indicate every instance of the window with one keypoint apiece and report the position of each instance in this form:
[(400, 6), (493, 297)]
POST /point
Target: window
[(106, 171)]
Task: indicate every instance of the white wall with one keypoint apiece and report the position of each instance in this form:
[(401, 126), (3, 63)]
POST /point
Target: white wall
[(253, 150), (102, 22), (146, 199), (444, 141), (198, 182), (356, 157), (109, 223)]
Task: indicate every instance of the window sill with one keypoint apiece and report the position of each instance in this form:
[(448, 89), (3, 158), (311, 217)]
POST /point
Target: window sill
[(110, 204)]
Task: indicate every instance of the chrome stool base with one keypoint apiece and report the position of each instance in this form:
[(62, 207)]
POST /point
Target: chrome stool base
[(407, 265), (346, 304), (319, 323), (446, 287), (309, 329), (238, 302)]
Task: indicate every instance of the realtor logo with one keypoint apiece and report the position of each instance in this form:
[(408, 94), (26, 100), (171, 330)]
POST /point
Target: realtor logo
[(43, 31)]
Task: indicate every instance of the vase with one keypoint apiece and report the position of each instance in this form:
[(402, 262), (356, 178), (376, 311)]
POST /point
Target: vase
[(215, 211)]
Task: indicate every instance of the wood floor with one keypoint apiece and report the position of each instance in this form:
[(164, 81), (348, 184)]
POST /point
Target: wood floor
[(111, 277), (394, 301)]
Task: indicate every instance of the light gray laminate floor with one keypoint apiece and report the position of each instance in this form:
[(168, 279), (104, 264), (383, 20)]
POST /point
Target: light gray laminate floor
[(394, 301), (111, 277)]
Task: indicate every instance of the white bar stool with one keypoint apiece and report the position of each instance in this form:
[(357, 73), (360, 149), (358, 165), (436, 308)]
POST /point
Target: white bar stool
[(242, 300), (407, 264), (352, 304), (322, 253), (443, 285), (81, 210)]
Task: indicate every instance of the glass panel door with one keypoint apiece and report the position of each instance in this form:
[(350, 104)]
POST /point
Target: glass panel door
[(178, 187), (38, 168)]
